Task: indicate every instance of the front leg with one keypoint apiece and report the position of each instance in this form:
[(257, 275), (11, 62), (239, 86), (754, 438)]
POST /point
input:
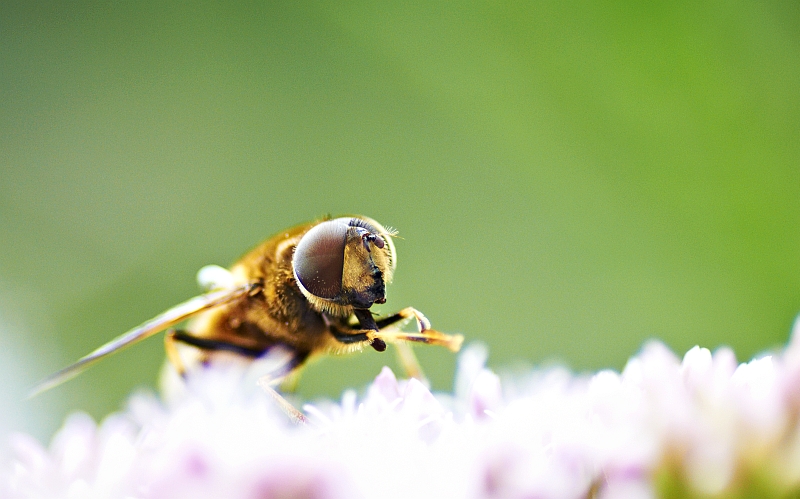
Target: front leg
[(350, 336), (368, 324), (372, 332), (423, 323), (405, 354), (366, 319)]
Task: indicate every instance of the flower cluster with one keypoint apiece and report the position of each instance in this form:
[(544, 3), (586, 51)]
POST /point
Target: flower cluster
[(702, 426)]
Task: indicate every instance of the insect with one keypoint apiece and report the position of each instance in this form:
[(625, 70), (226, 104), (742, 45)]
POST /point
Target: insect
[(307, 290)]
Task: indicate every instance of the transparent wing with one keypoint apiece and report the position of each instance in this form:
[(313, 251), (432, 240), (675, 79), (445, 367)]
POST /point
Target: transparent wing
[(155, 325)]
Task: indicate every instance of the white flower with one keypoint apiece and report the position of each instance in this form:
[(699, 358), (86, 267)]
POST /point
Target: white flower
[(696, 427)]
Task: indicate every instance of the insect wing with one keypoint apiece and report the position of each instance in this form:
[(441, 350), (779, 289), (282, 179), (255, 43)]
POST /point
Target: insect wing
[(155, 325)]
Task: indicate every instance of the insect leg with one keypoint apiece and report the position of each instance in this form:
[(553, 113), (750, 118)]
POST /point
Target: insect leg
[(172, 352), (378, 339), (429, 337), (424, 335), (278, 376), (408, 360), (373, 333), (265, 382), (405, 354), (407, 313), (214, 345), (174, 336), (348, 336)]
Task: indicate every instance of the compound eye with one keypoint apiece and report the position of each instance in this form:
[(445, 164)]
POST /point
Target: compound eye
[(319, 259)]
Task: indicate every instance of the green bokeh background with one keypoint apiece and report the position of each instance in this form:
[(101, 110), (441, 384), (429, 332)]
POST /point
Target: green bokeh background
[(569, 178)]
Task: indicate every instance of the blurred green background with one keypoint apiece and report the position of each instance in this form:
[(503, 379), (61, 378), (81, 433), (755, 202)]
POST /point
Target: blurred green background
[(569, 178)]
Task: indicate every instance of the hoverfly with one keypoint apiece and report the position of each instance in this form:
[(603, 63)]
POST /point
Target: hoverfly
[(307, 290)]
